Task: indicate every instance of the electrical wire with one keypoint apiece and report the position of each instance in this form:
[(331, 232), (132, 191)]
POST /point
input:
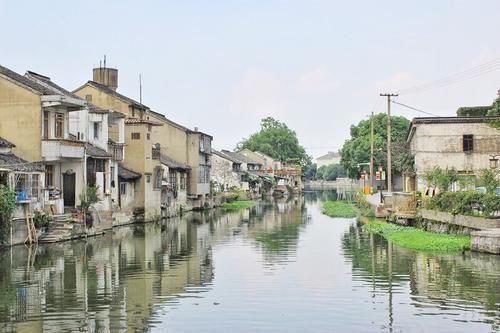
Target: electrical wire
[(471, 73), (415, 109)]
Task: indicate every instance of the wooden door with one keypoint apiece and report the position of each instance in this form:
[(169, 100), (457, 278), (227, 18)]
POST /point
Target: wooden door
[(69, 190)]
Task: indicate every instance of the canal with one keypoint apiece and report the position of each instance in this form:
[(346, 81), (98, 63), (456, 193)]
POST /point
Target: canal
[(280, 266)]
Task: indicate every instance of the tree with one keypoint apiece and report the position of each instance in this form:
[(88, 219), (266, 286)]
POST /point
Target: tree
[(278, 141), (356, 150), (311, 171), (331, 172)]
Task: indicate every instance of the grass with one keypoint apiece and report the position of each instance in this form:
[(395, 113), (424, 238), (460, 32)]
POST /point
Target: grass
[(416, 239), (339, 209), (241, 204)]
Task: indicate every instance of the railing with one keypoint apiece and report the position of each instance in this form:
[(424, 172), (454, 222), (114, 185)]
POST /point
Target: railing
[(53, 149)]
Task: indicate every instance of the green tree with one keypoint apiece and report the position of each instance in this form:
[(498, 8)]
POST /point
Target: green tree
[(356, 150), (278, 141), (7, 205), (331, 172), (311, 171)]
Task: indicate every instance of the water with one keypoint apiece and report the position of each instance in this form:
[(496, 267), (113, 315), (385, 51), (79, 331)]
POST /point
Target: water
[(278, 267)]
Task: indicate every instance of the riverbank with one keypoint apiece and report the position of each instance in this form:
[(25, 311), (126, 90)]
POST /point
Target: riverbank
[(234, 205)]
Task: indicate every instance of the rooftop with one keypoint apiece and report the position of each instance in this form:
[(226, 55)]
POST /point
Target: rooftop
[(171, 163), (329, 156), (226, 156), (127, 174), (110, 91), (6, 144), (240, 157), (12, 162)]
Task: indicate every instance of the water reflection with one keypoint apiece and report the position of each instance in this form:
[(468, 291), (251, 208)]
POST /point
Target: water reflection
[(463, 287), (115, 282)]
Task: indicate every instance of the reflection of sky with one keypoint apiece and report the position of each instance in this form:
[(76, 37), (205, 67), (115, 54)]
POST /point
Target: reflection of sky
[(314, 291)]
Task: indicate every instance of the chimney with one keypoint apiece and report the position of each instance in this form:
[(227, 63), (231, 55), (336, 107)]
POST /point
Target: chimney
[(106, 76), (196, 129)]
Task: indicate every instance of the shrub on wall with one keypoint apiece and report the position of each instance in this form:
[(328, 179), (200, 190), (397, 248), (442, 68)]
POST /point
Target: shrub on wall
[(465, 203), (7, 205)]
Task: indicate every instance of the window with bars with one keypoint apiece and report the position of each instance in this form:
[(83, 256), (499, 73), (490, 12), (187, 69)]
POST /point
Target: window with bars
[(35, 185), (123, 188), (173, 179), (183, 181), (136, 136), (468, 143)]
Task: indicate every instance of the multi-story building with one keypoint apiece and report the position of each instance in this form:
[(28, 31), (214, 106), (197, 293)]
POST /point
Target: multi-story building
[(147, 130)]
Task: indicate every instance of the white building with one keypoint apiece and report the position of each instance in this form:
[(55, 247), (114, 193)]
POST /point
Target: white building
[(463, 143), (330, 158)]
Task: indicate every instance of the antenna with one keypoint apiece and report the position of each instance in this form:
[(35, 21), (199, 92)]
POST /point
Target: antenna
[(140, 88), (104, 61)]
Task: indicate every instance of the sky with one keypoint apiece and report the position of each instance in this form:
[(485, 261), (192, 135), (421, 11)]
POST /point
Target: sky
[(223, 65)]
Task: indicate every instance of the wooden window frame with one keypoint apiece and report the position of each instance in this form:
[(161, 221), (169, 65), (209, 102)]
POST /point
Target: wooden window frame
[(59, 126)]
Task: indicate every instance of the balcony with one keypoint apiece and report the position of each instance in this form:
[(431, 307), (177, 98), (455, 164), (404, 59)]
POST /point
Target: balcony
[(55, 149)]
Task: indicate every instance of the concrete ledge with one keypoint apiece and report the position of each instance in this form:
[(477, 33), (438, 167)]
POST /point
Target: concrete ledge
[(473, 222), (486, 241)]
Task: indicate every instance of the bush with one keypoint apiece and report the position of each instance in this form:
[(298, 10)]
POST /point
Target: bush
[(7, 205), (465, 203)]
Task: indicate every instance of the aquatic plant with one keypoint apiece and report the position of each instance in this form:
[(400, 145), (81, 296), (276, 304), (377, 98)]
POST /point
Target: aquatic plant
[(233, 205), (416, 239), (339, 209)]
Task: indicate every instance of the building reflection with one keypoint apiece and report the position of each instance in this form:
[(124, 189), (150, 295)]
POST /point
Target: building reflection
[(117, 282), (453, 282)]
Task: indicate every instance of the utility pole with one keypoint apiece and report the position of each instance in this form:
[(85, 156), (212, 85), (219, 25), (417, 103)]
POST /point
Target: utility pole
[(389, 160), (371, 154)]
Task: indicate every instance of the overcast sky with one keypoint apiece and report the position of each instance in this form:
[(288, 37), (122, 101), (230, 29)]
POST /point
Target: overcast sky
[(319, 66)]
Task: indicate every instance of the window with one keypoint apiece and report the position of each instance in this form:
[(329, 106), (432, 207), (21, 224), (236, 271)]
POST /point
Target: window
[(112, 176), (173, 179), (59, 126), (183, 181), (96, 131), (35, 179), (148, 136), (123, 188), (468, 142), (136, 136), (49, 175), (148, 178), (88, 98), (45, 124), (22, 183), (149, 127)]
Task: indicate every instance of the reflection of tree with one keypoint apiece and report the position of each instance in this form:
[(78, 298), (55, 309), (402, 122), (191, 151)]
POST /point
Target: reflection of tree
[(277, 227), (450, 281)]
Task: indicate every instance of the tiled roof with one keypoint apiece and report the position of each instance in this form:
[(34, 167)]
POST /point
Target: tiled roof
[(14, 163), (23, 80), (240, 157), (127, 174), (110, 91), (96, 152), (226, 156), (172, 163), (6, 144), (51, 86), (134, 121)]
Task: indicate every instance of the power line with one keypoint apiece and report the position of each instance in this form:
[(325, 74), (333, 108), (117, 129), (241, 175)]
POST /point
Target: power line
[(468, 74), (412, 108)]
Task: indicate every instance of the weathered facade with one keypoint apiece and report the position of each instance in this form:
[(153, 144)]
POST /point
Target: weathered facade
[(226, 173), (146, 130), (463, 143)]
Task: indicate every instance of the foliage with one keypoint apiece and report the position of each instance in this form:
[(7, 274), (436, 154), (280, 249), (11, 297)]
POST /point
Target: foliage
[(88, 198), (7, 205), (339, 209), (311, 171), (363, 205), (495, 108), (278, 141), (417, 239), (357, 149), (330, 172), (238, 205), (473, 111), (41, 219), (441, 178), (489, 179), (465, 203)]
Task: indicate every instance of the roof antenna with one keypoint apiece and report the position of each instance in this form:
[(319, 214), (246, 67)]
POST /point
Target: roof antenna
[(104, 61), (140, 88)]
